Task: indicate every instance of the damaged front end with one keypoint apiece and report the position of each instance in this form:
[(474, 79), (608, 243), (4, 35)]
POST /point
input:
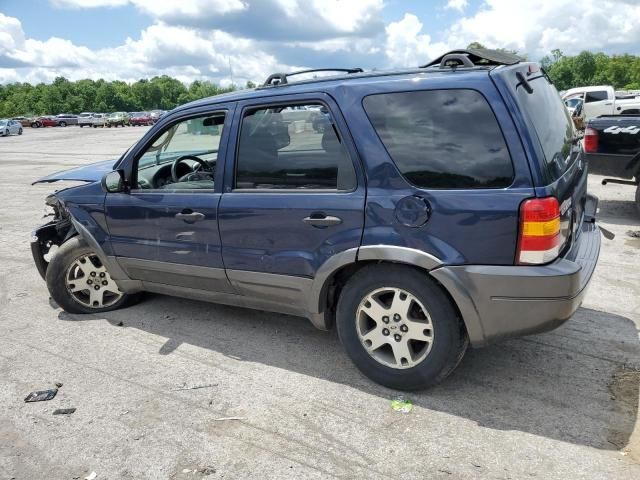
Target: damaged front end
[(51, 235)]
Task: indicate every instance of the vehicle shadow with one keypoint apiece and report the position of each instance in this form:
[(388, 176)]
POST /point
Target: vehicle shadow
[(577, 384), (618, 212)]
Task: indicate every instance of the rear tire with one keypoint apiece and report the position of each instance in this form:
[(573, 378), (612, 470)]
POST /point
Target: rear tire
[(638, 198), (63, 124), (75, 265), (20, 132), (423, 320)]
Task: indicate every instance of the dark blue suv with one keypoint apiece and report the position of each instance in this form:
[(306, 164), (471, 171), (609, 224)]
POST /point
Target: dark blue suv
[(417, 211)]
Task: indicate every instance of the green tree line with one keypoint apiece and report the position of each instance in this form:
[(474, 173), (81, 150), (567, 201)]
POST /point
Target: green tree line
[(64, 96), (587, 68)]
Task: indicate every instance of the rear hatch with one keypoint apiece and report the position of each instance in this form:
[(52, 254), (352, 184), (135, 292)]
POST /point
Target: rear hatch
[(556, 158)]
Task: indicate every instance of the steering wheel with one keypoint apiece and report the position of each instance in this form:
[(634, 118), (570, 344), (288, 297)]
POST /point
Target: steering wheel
[(177, 161)]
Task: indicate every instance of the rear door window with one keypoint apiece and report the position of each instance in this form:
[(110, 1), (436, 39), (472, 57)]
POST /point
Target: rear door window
[(442, 138)]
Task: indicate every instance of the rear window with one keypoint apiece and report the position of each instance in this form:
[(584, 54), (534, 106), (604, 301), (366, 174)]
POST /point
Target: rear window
[(551, 121), (442, 138)]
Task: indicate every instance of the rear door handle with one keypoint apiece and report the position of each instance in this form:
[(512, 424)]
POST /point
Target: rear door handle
[(321, 220), (189, 216)]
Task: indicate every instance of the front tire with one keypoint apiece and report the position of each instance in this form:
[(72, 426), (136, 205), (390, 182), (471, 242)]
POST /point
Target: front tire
[(20, 132), (79, 283), (63, 124), (638, 198), (399, 327)]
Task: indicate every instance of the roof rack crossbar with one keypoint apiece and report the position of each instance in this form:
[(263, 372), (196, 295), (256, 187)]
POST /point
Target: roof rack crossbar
[(281, 78)]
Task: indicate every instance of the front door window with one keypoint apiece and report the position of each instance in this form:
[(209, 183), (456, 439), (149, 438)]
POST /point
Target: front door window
[(183, 157)]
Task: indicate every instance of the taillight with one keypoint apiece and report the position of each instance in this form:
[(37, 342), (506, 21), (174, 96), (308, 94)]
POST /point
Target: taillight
[(590, 140), (539, 239)]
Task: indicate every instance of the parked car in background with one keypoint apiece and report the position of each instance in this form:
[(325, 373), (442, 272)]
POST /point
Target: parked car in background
[(10, 127), (99, 120), (140, 118), (612, 146), (118, 119), (156, 115), (65, 119), (603, 100), (44, 121), (24, 121), (85, 119), (441, 206)]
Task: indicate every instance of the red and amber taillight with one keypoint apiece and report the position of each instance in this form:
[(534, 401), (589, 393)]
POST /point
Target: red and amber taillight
[(539, 240)]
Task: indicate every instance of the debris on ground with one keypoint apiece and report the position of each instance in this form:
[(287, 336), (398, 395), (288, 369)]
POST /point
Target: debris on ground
[(223, 419), (91, 476), (41, 395), (401, 404), (64, 411), (634, 233), (194, 387), (119, 324), (208, 470), (58, 384)]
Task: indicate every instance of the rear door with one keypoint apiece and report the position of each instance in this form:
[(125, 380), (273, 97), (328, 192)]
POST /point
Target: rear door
[(294, 195)]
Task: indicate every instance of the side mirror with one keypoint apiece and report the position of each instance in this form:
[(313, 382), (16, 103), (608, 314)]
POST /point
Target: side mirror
[(113, 182)]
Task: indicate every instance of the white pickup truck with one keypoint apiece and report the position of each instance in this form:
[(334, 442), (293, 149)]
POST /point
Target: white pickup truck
[(603, 100)]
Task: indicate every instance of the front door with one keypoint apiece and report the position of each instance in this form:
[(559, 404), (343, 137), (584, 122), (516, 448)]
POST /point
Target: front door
[(294, 196), (165, 229)]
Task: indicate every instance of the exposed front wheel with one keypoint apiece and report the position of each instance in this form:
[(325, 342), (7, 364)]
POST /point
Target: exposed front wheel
[(399, 328), (79, 282)]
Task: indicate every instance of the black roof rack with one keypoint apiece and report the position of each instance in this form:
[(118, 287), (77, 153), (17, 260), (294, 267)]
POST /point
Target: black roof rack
[(281, 78), (473, 57)]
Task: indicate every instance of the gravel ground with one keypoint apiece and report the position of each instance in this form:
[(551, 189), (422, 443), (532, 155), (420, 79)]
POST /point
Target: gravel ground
[(560, 405)]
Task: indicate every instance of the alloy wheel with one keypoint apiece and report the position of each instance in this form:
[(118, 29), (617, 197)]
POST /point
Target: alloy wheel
[(394, 327), (89, 283)]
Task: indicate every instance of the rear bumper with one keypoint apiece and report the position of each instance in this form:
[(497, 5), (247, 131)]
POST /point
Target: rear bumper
[(498, 302)]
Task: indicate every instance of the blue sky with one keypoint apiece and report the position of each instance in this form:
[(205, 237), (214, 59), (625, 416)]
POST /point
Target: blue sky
[(199, 39)]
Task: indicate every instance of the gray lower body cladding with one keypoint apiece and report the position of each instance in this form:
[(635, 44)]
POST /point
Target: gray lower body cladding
[(498, 302)]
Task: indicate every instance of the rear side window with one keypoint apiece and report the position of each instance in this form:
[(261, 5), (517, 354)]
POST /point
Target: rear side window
[(598, 96), (551, 122), (442, 138)]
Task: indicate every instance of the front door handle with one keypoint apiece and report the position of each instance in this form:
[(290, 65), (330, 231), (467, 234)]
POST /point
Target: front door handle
[(322, 220), (189, 216)]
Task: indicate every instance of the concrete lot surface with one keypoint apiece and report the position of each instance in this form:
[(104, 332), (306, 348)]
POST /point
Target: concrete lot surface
[(562, 405)]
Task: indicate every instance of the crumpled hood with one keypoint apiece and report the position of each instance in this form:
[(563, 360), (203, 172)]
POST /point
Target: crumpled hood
[(88, 173)]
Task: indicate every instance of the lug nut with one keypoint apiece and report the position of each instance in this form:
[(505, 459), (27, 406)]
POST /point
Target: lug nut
[(385, 319), (385, 332), (397, 337), (104, 282), (89, 282), (97, 287), (101, 274), (404, 328), (396, 317), (93, 274)]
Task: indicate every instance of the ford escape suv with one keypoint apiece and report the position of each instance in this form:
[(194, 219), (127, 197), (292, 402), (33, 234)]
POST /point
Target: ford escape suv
[(417, 211)]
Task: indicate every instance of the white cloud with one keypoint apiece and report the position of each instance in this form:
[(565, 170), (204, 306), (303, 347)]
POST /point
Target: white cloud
[(537, 27), (407, 46), (458, 5)]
